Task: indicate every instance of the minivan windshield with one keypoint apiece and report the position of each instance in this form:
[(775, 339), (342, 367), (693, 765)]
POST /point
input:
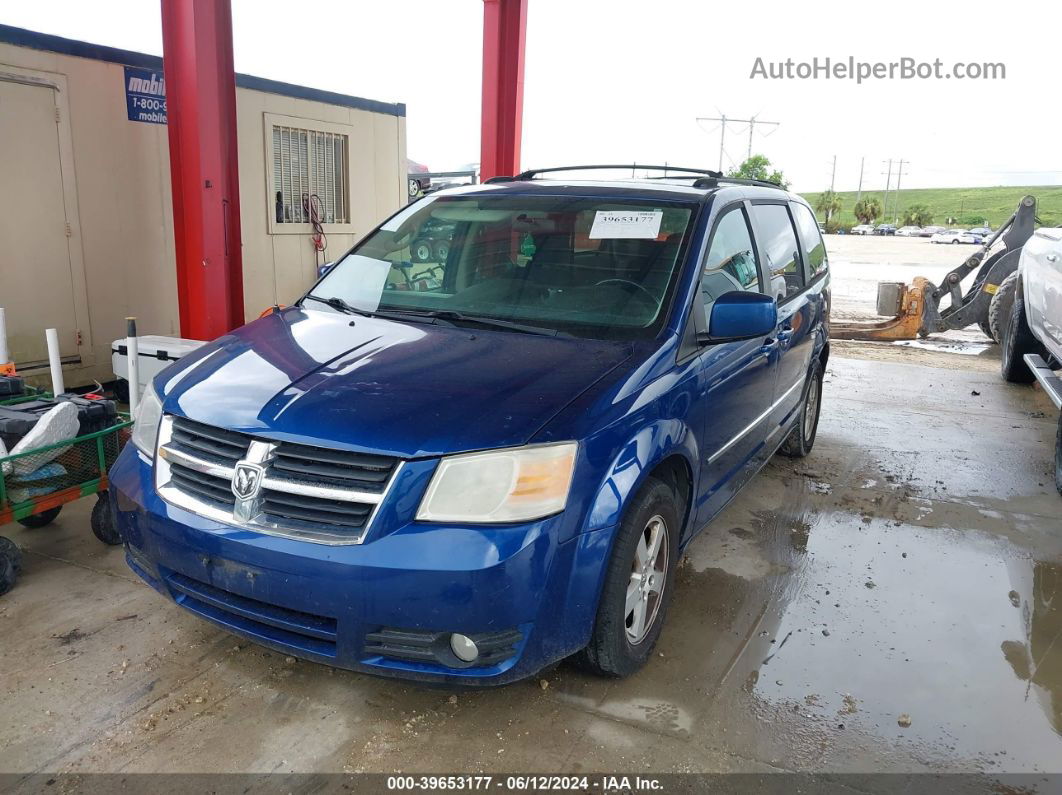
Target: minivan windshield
[(587, 267)]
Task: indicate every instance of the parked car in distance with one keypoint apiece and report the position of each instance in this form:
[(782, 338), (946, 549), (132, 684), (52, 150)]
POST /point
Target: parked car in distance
[(863, 229), (909, 231), (955, 236), (465, 478), (1027, 311), (929, 231), (416, 184), (885, 229)]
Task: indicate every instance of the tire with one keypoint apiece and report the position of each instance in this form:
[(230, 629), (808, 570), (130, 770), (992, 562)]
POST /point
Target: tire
[(1000, 306), (121, 390), (955, 242), (986, 329), (1016, 340), (618, 645), (1058, 457), (42, 519), (441, 250), (802, 438), (10, 564), (420, 250), (413, 188), (103, 525)]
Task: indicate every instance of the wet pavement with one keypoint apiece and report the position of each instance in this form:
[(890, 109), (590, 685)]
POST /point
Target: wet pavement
[(893, 602)]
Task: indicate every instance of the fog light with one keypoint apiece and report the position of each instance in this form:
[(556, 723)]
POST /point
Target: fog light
[(464, 647)]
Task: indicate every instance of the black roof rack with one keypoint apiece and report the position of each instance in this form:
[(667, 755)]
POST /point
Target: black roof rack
[(702, 177), (532, 173), (713, 182)]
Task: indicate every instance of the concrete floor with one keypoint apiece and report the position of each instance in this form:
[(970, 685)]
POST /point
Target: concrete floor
[(912, 566)]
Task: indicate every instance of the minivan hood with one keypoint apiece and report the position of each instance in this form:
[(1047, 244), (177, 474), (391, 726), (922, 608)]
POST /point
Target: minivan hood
[(404, 389)]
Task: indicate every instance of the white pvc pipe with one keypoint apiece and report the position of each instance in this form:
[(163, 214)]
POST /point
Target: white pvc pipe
[(5, 355), (55, 362), (132, 349)]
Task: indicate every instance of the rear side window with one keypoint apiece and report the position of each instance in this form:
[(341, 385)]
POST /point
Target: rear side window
[(811, 239), (778, 241), (731, 262)]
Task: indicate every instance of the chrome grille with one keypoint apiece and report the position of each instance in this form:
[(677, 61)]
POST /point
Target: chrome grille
[(313, 493), (342, 468)]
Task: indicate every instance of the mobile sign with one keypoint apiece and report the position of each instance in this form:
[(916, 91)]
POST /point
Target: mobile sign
[(145, 95)]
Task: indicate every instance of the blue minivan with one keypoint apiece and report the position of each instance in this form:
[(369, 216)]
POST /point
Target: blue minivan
[(467, 468)]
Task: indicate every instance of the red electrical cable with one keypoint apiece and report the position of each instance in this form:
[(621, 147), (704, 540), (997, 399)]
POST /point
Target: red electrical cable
[(312, 208)]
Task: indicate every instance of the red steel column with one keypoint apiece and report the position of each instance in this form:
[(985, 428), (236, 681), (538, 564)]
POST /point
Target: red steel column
[(201, 115), (504, 34)]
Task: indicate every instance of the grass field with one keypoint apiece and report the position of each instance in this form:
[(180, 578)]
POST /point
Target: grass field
[(995, 204)]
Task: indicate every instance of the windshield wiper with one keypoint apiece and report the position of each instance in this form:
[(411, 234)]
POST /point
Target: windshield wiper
[(338, 303), (446, 316), (493, 322)]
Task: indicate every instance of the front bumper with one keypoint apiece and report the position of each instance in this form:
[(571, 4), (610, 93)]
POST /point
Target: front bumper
[(329, 603)]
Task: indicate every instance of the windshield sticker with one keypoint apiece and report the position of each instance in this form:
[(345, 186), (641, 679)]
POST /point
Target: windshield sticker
[(617, 224)]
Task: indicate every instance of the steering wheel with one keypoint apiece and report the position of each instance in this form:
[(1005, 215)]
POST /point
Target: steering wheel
[(629, 283)]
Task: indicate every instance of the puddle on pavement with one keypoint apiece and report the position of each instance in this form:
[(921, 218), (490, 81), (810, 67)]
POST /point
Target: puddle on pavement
[(965, 347), (879, 623)]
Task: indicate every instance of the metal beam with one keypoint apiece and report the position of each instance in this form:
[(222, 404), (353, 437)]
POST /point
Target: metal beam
[(504, 36), (201, 116)]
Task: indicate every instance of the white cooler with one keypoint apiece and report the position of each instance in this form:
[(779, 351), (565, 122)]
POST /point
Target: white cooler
[(156, 354)]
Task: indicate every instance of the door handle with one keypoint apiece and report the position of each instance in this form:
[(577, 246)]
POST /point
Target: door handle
[(1051, 257)]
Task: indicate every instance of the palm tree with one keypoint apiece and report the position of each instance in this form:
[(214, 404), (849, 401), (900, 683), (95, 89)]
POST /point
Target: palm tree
[(866, 210), (917, 215), (828, 204)]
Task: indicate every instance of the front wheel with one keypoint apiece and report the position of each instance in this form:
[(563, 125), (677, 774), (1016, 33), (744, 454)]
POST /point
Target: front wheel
[(1058, 456), (103, 525), (802, 438), (638, 584), (42, 519), (1016, 340), (10, 564)]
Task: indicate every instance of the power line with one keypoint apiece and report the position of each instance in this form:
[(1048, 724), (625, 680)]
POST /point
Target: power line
[(723, 120)]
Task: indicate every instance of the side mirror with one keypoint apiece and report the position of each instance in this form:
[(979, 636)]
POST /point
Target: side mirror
[(740, 315)]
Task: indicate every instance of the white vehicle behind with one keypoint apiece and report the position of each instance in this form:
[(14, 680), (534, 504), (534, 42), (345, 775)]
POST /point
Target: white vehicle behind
[(1027, 308), (863, 229), (955, 236), (909, 231)]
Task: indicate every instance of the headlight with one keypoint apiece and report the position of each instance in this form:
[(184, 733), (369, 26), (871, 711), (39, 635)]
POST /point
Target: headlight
[(146, 423), (514, 485)]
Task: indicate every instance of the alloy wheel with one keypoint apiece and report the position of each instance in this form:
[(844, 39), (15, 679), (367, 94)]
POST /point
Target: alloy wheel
[(646, 585)]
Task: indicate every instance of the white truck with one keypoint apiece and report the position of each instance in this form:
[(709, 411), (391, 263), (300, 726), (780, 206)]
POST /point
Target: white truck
[(1027, 310)]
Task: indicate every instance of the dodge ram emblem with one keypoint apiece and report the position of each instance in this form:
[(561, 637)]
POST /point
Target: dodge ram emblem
[(247, 480)]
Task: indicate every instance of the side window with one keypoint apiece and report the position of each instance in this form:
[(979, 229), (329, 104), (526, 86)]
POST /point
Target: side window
[(778, 240), (731, 262), (814, 248)]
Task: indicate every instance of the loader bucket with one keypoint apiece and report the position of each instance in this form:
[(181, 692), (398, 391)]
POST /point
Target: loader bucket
[(908, 302)]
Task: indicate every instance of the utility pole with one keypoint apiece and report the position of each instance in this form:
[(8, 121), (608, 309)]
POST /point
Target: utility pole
[(833, 173), (723, 120), (859, 190), (888, 183), (896, 202), (722, 135)]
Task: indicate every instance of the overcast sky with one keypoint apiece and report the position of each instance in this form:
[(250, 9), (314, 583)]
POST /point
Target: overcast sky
[(610, 80)]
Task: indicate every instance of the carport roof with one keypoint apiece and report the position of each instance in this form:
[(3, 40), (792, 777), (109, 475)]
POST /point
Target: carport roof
[(20, 37)]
